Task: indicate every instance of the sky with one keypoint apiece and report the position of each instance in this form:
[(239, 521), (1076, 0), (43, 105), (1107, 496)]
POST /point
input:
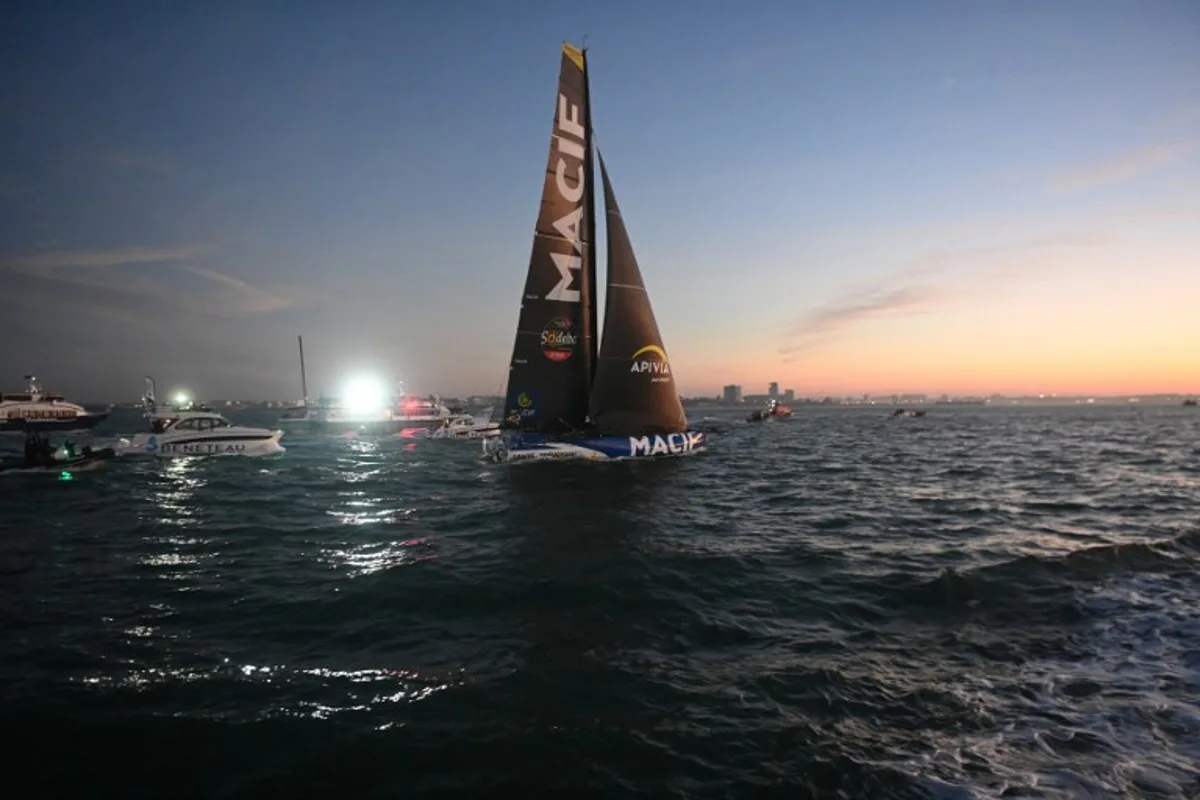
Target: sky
[(845, 198)]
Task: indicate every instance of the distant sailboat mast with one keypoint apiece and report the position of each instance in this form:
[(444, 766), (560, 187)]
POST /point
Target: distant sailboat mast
[(303, 378)]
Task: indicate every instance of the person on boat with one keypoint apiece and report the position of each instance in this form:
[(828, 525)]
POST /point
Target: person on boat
[(46, 452), (31, 449), (38, 451)]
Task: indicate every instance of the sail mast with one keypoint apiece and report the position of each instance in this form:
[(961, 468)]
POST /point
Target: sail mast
[(303, 378), (592, 332), (550, 374)]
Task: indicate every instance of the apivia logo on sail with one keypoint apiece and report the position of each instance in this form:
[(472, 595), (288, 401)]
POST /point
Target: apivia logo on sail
[(651, 360), (569, 136), (671, 444)]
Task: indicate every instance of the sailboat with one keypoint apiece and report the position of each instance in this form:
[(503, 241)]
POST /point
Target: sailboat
[(299, 413), (565, 399)]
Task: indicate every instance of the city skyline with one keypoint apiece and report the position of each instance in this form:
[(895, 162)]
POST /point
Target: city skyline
[(931, 198), (787, 395)]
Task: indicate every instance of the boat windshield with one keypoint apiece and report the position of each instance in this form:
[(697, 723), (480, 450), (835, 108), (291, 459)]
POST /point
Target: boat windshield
[(201, 424)]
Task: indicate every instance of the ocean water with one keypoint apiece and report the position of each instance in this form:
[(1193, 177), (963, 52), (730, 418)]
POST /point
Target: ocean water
[(984, 602)]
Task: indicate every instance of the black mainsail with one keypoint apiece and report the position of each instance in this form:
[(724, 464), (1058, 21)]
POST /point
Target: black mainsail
[(634, 392), (554, 356)]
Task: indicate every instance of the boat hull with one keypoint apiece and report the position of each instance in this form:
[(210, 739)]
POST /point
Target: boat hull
[(81, 422), (230, 444), (488, 432), (77, 463), (368, 427), (513, 447)]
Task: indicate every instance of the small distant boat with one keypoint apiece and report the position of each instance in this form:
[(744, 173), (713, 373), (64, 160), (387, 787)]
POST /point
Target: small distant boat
[(300, 413), (565, 400), (900, 412), (196, 430), (467, 427), (39, 410), (774, 410), (1191, 401)]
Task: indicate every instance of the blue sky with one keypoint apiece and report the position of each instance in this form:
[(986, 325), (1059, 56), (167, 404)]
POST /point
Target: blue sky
[(186, 187)]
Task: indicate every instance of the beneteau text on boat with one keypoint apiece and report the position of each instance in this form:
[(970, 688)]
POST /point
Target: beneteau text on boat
[(38, 410), (564, 399)]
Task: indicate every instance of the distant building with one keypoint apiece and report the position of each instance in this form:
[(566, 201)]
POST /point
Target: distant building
[(789, 395), (773, 389), (731, 394)]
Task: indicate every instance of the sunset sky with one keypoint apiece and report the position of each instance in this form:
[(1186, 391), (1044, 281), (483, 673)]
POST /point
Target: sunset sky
[(845, 198)]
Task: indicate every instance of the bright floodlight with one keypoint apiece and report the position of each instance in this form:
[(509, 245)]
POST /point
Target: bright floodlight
[(181, 398), (364, 394)]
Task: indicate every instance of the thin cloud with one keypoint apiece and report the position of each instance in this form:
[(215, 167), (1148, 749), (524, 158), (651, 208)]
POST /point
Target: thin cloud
[(931, 283), (1120, 169), (99, 259), (246, 298), (857, 307), (113, 276)]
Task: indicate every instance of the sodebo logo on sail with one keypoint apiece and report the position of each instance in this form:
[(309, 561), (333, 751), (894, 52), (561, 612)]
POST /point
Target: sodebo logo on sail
[(568, 225)]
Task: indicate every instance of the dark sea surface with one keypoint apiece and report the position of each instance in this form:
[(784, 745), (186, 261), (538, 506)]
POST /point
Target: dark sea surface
[(984, 602)]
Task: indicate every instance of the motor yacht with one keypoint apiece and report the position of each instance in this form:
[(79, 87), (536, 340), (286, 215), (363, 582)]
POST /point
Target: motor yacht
[(38, 410), (467, 427), (196, 430)]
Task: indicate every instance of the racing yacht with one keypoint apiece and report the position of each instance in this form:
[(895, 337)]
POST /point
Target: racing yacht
[(196, 430), (38, 410)]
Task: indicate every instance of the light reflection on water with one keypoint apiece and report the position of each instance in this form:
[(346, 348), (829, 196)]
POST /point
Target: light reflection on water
[(174, 487), (365, 559), (390, 687)]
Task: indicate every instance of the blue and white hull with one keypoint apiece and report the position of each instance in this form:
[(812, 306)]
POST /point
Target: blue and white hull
[(516, 447)]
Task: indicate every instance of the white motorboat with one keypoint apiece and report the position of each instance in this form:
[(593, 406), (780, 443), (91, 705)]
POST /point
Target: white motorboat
[(192, 430), (201, 433), (38, 410), (467, 427)]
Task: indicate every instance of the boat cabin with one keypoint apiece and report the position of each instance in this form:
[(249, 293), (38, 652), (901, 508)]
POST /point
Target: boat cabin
[(191, 422)]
